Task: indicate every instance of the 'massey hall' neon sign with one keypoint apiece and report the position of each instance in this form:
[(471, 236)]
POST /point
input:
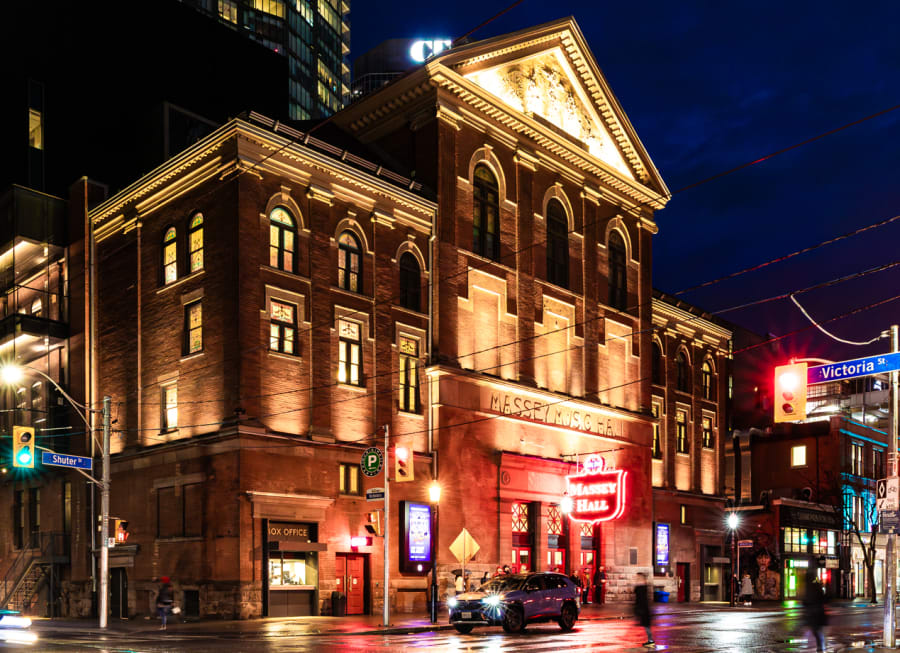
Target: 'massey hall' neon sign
[(596, 494)]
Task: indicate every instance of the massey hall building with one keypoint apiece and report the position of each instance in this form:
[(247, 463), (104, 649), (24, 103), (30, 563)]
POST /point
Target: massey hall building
[(464, 258)]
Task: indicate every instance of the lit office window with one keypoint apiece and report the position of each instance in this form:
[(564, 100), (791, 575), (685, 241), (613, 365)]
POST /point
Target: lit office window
[(35, 129), (170, 407), (798, 456)]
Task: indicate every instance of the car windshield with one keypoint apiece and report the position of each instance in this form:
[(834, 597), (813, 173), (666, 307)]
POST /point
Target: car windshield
[(502, 584)]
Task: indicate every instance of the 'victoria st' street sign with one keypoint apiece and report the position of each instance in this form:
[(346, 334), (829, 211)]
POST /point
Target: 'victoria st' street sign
[(851, 369)]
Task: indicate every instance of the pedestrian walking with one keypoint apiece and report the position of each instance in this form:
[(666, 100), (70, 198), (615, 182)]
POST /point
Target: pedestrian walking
[(600, 585), (642, 608), (164, 600), (746, 589), (814, 614)]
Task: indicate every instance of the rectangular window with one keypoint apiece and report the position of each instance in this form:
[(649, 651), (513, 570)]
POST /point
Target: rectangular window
[(19, 519), (857, 459), (228, 10), (520, 521), (707, 433), (193, 328), (684, 515), (35, 129), (283, 327), (169, 420), (878, 462), (67, 507), (409, 375), (798, 456), (657, 445), (349, 352), (179, 511), (681, 438), (349, 481), (34, 516), (796, 540)]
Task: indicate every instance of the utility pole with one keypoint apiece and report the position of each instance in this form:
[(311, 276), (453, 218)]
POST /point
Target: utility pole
[(104, 519), (387, 529), (890, 554)]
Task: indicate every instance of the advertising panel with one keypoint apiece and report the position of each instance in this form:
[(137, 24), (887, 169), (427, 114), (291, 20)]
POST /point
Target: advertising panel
[(415, 537)]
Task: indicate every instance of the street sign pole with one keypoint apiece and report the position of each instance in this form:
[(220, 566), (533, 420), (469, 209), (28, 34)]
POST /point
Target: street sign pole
[(890, 552), (387, 533)]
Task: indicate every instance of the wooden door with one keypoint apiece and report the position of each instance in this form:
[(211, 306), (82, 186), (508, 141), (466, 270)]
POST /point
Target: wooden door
[(356, 596), (683, 571)]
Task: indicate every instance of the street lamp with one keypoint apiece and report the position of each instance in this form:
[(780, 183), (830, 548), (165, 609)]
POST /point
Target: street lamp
[(733, 523), (434, 495), (11, 374)]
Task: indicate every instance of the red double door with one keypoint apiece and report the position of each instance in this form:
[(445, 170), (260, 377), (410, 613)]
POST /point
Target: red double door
[(351, 573)]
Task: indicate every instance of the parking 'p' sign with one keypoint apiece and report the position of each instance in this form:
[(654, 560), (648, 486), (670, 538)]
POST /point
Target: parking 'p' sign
[(372, 461)]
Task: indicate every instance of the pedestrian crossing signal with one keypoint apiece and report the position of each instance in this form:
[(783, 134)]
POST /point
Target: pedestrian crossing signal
[(374, 524), (23, 447)]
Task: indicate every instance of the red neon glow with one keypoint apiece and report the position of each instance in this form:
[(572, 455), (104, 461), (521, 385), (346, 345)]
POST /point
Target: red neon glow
[(597, 493), (358, 541)]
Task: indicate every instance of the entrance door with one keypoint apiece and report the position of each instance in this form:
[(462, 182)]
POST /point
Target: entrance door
[(351, 573), (683, 571), (556, 560), (118, 590), (521, 560)]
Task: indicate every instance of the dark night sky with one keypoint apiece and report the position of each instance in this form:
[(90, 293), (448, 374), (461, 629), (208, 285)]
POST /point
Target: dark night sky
[(709, 86)]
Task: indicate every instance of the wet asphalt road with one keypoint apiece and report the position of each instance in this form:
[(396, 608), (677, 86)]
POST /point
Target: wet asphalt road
[(750, 631)]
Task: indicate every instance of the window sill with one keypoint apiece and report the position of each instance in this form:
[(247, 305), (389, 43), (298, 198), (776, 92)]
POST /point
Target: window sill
[(280, 354), (656, 458), (284, 273), (181, 538), (350, 386), (344, 495), (353, 293), (410, 413), (683, 453), (708, 448), (188, 357), (178, 282)]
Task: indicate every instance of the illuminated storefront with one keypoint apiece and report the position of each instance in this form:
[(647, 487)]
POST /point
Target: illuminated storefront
[(292, 569)]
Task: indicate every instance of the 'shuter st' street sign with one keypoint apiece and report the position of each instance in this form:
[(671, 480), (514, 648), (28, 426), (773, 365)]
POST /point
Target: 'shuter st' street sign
[(372, 461)]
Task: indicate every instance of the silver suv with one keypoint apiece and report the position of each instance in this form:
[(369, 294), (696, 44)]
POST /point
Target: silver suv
[(516, 600)]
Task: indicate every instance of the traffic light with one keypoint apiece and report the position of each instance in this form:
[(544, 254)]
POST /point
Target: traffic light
[(403, 465), (120, 528), (374, 525), (790, 392), (23, 446)]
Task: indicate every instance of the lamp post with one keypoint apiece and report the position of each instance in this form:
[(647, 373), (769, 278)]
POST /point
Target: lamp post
[(12, 374), (735, 561), (434, 495)]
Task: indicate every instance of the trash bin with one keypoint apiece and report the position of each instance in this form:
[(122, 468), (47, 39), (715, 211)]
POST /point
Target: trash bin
[(659, 596), (338, 604)]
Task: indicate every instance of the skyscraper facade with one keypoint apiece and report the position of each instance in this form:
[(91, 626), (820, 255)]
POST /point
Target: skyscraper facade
[(314, 35)]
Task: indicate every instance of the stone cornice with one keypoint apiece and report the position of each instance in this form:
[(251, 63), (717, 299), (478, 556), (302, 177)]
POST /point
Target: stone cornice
[(682, 317)]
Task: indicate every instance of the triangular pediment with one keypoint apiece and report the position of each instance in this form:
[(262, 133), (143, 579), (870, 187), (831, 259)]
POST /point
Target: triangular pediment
[(548, 74)]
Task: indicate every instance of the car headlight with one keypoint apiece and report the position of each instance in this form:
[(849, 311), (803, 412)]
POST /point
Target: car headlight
[(493, 600), (14, 621), (451, 602)]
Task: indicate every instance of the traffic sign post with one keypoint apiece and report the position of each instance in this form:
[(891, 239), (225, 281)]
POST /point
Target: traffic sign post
[(372, 461), (66, 460), (831, 372), (375, 494), (745, 544)]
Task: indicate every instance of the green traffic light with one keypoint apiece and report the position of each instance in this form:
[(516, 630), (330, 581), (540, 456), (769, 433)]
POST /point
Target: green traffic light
[(24, 457)]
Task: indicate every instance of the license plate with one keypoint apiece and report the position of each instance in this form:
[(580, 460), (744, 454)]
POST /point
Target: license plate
[(466, 615)]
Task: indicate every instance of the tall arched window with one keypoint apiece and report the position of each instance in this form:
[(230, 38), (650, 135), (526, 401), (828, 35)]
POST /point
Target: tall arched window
[(349, 262), (195, 242), (707, 376), (618, 279), (170, 255), (486, 214), (282, 239), (682, 373), (410, 282), (656, 365), (557, 244)]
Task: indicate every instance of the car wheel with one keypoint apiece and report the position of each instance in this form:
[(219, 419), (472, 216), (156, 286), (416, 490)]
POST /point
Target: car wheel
[(513, 620), (465, 629), (568, 616)]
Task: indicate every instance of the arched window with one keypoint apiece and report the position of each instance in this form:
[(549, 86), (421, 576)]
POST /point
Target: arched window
[(349, 262), (557, 244), (682, 373), (656, 365), (282, 239), (195, 242), (486, 214), (410, 283), (618, 280), (707, 375), (170, 255)]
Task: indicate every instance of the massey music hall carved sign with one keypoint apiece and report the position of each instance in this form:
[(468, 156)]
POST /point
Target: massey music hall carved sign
[(553, 414)]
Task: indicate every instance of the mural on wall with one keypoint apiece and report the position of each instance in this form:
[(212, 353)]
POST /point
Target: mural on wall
[(768, 581)]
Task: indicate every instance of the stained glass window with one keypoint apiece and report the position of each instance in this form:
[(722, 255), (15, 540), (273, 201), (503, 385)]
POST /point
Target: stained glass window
[(707, 433), (349, 262), (349, 353), (170, 256), (195, 239), (707, 377), (486, 214), (193, 322), (587, 529), (682, 373), (618, 278), (554, 520), (681, 439), (657, 445), (409, 375), (282, 239), (520, 522), (282, 327)]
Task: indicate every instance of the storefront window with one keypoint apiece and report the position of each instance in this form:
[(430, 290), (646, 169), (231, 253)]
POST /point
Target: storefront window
[(824, 542), (795, 540), (293, 569)]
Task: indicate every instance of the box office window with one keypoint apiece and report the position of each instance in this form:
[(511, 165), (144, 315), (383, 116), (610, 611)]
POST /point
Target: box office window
[(179, 511), (292, 569)]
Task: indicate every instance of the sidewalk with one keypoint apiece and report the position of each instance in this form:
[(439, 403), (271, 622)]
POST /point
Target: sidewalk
[(362, 624)]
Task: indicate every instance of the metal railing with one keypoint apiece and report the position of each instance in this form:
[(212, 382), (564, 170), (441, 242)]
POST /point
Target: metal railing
[(46, 549)]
